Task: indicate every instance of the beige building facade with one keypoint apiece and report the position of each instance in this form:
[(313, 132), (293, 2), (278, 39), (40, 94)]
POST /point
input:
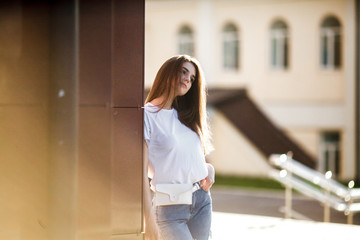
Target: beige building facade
[(295, 58)]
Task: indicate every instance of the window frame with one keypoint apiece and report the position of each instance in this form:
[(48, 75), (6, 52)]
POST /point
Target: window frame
[(279, 45), (230, 44), (331, 49), (330, 152), (186, 42)]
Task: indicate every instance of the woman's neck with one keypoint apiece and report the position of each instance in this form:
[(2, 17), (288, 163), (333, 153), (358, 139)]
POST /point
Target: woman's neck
[(160, 101)]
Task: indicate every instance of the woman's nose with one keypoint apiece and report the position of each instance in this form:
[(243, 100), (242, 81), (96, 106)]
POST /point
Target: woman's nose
[(187, 78)]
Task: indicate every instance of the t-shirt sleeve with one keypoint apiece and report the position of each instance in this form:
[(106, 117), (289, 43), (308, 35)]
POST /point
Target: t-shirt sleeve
[(147, 132)]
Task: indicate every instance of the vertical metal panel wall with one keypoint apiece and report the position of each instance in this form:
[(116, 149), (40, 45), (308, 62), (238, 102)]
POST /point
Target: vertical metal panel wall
[(63, 119), (23, 121), (71, 91), (357, 94), (111, 48), (94, 186), (127, 99)]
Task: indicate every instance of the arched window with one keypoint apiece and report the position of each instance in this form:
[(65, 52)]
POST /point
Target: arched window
[(330, 43), (279, 45), (186, 41), (231, 47)]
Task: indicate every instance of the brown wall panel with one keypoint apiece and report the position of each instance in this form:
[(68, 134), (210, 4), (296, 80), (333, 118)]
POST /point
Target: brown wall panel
[(23, 173), (70, 167), (23, 121), (94, 178), (127, 170), (63, 120), (128, 53), (23, 54), (95, 52), (110, 135)]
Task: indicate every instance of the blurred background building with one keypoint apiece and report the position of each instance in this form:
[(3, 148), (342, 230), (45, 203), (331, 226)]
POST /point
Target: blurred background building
[(295, 62)]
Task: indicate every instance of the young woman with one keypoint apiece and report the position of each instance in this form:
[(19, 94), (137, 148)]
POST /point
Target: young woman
[(177, 138)]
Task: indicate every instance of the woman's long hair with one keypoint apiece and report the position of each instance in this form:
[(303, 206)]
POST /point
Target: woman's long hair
[(192, 106)]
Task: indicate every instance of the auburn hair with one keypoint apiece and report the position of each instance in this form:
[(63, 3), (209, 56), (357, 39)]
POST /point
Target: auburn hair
[(191, 107)]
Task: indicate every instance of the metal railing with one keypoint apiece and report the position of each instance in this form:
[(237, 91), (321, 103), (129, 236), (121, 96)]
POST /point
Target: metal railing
[(314, 184)]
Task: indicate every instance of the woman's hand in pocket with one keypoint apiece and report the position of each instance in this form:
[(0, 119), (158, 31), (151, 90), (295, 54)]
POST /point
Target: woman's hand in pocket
[(207, 182)]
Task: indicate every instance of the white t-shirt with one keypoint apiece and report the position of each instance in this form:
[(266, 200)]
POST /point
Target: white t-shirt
[(175, 151)]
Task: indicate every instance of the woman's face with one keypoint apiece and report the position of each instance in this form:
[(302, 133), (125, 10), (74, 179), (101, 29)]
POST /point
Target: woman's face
[(183, 85)]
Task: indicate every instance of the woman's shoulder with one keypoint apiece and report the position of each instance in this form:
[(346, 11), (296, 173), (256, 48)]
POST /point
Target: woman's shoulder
[(154, 111), (150, 108)]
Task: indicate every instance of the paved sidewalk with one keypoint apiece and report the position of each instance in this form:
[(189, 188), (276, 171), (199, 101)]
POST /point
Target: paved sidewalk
[(252, 214), (229, 226), (271, 203)]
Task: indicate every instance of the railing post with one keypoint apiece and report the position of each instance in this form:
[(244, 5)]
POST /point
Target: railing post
[(288, 200), (328, 175), (350, 214), (349, 199), (288, 187)]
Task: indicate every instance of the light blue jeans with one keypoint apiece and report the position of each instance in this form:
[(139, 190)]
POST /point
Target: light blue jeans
[(186, 222)]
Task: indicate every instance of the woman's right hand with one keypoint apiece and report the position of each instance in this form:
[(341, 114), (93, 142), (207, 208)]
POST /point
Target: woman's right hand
[(207, 182)]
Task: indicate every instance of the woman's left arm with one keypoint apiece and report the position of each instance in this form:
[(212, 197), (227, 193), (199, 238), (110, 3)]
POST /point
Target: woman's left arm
[(210, 179)]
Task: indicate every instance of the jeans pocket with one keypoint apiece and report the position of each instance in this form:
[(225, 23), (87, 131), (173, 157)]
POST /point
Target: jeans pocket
[(203, 190)]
